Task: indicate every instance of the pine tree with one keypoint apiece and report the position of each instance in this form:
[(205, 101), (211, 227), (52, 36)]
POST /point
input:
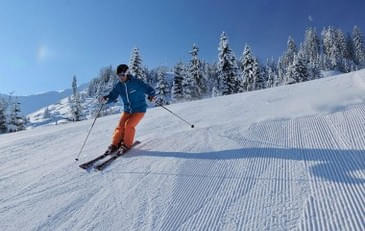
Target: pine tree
[(286, 60), (3, 122), (199, 83), (162, 89), (215, 92), (292, 50), (177, 88), (334, 48), (349, 47), (314, 71), (188, 85), (105, 81), (342, 50), (212, 77), (76, 109), (298, 71), (46, 113), (359, 47), (17, 122), (281, 70), (328, 37), (227, 68), (271, 73), (250, 71), (135, 65), (260, 81), (311, 45)]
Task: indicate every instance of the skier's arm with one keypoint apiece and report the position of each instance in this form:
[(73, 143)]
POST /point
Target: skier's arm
[(113, 95), (148, 90)]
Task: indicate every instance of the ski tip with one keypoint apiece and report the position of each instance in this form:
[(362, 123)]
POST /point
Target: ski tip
[(83, 167)]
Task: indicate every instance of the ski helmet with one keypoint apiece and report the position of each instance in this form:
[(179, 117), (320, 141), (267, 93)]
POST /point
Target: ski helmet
[(122, 68)]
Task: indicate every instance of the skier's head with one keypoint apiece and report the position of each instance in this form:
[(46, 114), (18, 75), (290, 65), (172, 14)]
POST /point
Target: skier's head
[(122, 71)]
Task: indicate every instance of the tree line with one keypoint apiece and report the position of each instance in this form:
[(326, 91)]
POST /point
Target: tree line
[(332, 49)]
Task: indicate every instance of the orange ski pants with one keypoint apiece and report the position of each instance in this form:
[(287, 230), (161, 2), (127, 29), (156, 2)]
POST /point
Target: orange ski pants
[(126, 128)]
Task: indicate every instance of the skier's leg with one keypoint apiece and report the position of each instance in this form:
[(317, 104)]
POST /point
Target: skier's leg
[(120, 129), (130, 128)]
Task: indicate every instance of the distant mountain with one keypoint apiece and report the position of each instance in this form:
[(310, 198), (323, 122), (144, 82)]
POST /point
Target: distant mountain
[(32, 103)]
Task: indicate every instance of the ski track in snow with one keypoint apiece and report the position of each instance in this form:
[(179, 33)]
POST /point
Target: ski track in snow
[(306, 173)]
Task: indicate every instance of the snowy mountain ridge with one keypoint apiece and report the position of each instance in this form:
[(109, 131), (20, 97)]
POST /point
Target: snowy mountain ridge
[(285, 158), (34, 102)]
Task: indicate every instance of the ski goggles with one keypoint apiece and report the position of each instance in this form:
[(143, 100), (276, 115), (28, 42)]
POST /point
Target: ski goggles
[(122, 74)]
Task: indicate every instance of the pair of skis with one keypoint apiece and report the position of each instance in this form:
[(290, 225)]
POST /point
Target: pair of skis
[(103, 165)]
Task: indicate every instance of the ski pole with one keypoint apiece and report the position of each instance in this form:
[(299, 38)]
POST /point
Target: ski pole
[(191, 125), (83, 145)]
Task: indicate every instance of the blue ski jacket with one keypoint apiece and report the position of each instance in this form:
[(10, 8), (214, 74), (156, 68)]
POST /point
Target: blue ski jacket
[(133, 93)]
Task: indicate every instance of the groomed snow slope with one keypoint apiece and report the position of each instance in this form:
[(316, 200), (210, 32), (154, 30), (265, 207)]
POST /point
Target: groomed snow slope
[(286, 158)]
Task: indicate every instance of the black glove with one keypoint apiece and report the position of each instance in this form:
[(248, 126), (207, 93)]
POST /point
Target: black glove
[(103, 99), (151, 98)]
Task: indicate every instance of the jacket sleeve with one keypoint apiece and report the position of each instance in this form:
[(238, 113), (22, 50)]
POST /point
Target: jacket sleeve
[(148, 90), (113, 95)]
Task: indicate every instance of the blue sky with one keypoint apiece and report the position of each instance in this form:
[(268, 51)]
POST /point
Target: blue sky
[(44, 43)]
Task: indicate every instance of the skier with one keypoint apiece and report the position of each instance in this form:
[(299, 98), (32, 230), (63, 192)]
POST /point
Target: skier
[(132, 91)]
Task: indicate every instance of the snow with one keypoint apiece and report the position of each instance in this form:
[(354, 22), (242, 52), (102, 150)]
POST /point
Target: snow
[(61, 112), (286, 158), (32, 103)]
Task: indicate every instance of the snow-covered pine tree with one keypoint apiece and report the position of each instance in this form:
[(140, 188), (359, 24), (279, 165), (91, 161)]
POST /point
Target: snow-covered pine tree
[(3, 121), (215, 92), (291, 51), (298, 71), (312, 53), (349, 64), (342, 50), (359, 46), (135, 65), (188, 84), (286, 60), (93, 87), (250, 70), (76, 109), (334, 47), (46, 113), (17, 121), (227, 68), (106, 80), (311, 45), (350, 55), (162, 89), (260, 81), (271, 73), (74, 86), (314, 69), (328, 37), (212, 77), (199, 83), (177, 87), (281, 72), (264, 74), (148, 78), (102, 85)]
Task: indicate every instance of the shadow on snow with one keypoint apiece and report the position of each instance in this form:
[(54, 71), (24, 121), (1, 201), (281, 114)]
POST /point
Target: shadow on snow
[(334, 165)]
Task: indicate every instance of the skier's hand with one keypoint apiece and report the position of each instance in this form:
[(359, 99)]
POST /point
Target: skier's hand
[(151, 98), (103, 99)]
